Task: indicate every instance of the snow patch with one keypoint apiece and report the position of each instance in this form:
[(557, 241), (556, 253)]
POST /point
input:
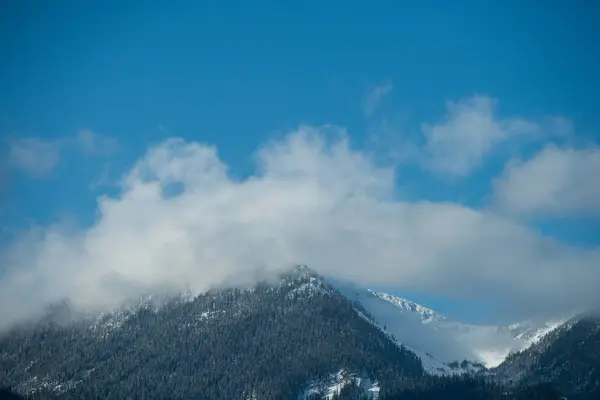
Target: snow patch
[(328, 388), (36, 384), (207, 315)]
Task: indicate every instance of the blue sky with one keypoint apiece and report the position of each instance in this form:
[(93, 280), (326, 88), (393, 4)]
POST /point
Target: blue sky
[(88, 88)]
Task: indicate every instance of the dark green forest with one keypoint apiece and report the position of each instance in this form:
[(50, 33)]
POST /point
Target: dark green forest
[(567, 358)]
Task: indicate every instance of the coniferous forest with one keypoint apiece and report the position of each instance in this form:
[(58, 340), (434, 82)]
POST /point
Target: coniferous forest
[(268, 342)]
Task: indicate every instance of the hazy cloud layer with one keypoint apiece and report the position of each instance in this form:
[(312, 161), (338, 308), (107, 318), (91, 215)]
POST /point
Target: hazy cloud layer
[(39, 156), (182, 222), (555, 181)]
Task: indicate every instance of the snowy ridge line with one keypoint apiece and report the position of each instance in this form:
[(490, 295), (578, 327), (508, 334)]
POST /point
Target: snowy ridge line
[(427, 313), (428, 362), (444, 345)]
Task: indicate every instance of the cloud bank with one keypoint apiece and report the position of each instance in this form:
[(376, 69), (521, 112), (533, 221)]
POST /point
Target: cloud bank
[(182, 222)]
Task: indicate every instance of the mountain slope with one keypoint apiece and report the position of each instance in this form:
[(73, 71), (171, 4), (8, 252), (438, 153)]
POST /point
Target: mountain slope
[(568, 358), (268, 342), (440, 340), (300, 337)]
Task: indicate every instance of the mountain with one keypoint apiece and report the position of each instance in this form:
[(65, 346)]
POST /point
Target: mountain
[(552, 356), (532, 332), (440, 341), (270, 342), (568, 358), (299, 337)]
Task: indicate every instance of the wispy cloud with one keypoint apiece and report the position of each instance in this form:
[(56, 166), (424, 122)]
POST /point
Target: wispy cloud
[(554, 181), (457, 145), (95, 144), (470, 132), (40, 156), (374, 96), (313, 199), (35, 156)]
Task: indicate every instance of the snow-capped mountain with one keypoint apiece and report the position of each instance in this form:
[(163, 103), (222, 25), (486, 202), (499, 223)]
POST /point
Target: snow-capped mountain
[(439, 340)]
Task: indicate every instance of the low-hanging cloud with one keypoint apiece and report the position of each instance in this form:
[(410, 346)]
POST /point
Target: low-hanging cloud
[(182, 222)]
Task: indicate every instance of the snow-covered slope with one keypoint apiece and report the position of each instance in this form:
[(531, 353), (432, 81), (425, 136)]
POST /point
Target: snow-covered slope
[(438, 340), (427, 315), (532, 332)]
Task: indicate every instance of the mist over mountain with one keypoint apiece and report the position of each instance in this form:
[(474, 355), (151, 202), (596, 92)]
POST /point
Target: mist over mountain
[(271, 341), (300, 336), (314, 199)]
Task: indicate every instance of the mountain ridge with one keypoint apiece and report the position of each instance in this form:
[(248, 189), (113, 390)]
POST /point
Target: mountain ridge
[(229, 343), (280, 339), (422, 328)]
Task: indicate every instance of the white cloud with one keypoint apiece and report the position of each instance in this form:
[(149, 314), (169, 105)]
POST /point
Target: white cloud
[(554, 181), (374, 96), (470, 131), (39, 157), (312, 200)]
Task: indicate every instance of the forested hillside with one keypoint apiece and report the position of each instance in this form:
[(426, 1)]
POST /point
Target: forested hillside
[(226, 344), (568, 358), (276, 341)]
